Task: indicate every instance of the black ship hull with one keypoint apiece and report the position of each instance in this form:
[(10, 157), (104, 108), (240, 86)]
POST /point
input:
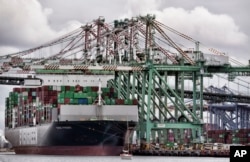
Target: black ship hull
[(100, 137)]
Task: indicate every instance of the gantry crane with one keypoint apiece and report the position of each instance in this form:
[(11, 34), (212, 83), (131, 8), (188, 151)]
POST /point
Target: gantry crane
[(141, 56)]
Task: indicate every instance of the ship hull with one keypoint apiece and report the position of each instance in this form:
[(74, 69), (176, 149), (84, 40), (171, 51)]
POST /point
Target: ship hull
[(70, 150), (71, 138)]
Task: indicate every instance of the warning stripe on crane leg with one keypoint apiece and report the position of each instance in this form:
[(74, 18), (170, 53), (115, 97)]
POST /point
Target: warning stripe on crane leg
[(80, 67), (26, 67), (137, 68), (51, 67), (110, 68)]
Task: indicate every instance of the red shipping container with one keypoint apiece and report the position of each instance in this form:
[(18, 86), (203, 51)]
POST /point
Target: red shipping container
[(243, 130), (171, 139), (210, 132), (46, 101), (55, 93), (33, 89), (22, 89), (77, 88), (29, 99), (50, 100), (135, 102), (186, 140), (237, 134), (220, 131), (17, 90), (119, 101), (243, 134), (112, 90), (44, 98), (54, 101), (39, 89), (58, 109), (67, 100), (67, 88), (45, 88), (215, 135), (94, 88), (45, 93), (229, 141), (49, 93), (243, 140)]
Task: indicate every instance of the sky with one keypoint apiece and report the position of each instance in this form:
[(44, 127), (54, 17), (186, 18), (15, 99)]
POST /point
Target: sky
[(222, 24)]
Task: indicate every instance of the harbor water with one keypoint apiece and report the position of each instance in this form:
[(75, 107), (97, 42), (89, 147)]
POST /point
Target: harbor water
[(52, 158)]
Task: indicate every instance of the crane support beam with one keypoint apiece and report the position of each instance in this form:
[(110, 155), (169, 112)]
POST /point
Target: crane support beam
[(229, 69), (178, 68), (86, 67), (219, 97)]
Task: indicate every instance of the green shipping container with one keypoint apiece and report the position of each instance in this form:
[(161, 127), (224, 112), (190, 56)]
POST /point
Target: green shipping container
[(128, 102), (221, 135), (72, 88), (105, 89), (90, 100), (50, 88), (92, 94), (112, 101), (72, 101), (235, 140), (84, 95), (62, 88), (61, 95), (169, 144), (87, 89), (75, 100), (80, 95), (25, 98), (76, 95), (210, 140), (106, 97), (107, 102), (60, 100), (235, 131), (69, 94)]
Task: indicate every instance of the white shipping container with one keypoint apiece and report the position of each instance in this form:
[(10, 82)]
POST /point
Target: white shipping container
[(32, 82), (58, 88), (25, 93), (54, 88)]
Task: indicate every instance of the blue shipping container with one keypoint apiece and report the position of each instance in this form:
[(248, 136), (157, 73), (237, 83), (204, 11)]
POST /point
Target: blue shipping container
[(83, 101)]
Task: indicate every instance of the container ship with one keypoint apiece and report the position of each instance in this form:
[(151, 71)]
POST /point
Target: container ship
[(69, 115)]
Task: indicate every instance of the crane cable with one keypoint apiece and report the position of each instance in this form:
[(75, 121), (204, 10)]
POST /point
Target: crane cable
[(213, 50)]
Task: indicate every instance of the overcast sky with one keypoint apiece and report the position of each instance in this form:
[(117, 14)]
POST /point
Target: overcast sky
[(221, 24)]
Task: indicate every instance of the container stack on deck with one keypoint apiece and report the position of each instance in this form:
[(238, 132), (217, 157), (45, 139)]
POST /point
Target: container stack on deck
[(26, 104), (241, 136)]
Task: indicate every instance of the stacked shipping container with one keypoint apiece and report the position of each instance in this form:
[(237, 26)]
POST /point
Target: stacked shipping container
[(241, 136), (24, 106)]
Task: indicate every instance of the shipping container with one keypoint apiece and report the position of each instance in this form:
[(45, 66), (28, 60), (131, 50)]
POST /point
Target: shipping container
[(83, 101), (30, 103)]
